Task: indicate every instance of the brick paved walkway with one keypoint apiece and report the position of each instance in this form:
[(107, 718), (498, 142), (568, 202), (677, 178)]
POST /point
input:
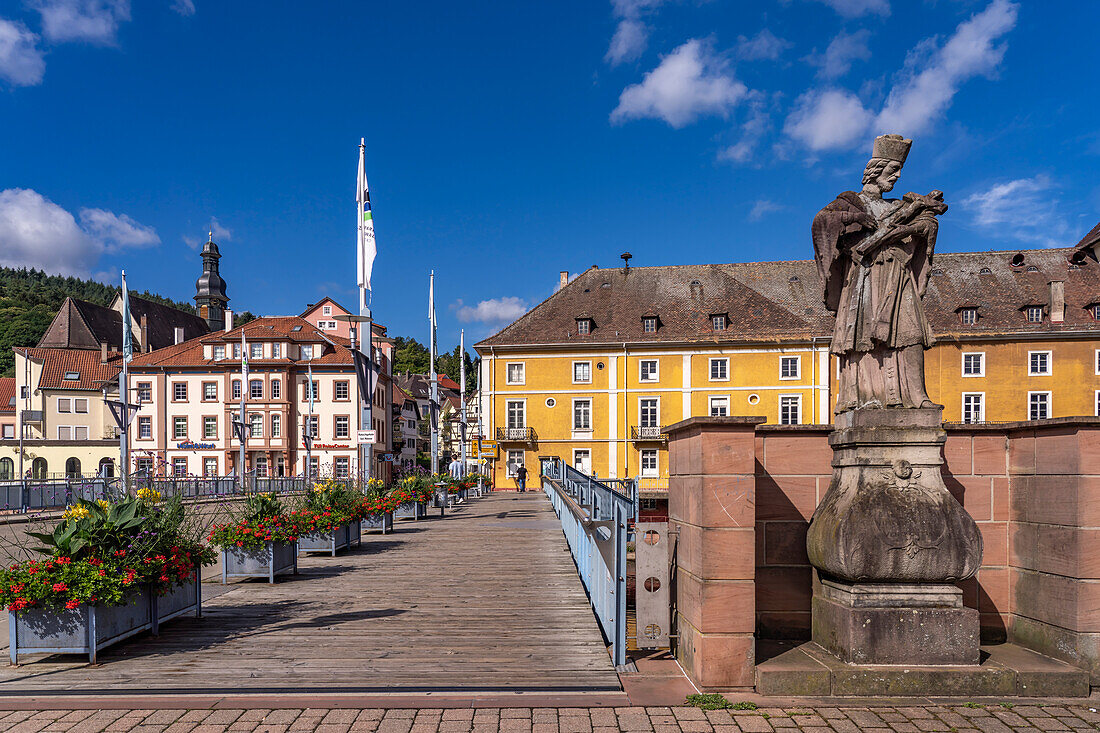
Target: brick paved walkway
[(977, 719)]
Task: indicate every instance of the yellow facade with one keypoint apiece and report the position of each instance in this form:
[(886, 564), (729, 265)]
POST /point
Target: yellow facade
[(757, 380)]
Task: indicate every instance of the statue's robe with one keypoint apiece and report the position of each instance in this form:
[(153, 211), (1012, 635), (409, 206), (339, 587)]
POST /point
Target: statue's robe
[(881, 330)]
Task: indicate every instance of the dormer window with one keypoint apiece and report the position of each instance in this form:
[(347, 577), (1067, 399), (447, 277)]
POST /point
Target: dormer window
[(718, 321), (584, 325), (1034, 314), (72, 376), (649, 324), (985, 271), (968, 316), (1095, 312)]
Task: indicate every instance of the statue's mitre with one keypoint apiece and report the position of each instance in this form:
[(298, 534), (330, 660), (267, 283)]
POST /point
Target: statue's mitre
[(891, 147)]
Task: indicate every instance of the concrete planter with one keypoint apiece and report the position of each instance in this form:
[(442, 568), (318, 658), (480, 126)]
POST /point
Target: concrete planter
[(338, 539), (274, 558), (378, 522), (83, 630), (186, 598), (411, 510)]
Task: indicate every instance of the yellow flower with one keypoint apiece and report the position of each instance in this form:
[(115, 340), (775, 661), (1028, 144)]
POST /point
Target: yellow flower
[(103, 503), (151, 496), (78, 511)]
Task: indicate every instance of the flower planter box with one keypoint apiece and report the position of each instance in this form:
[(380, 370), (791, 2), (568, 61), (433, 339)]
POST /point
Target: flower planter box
[(411, 510), (375, 522), (338, 539), (186, 598), (83, 630), (271, 560)]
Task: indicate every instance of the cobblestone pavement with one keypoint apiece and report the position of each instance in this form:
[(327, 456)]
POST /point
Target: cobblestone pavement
[(976, 718)]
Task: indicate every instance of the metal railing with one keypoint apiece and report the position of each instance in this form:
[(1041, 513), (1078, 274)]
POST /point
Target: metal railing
[(653, 433), (517, 435), (595, 519)]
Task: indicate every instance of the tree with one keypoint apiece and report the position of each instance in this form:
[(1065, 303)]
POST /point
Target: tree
[(409, 355), (239, 319), (449, 364)]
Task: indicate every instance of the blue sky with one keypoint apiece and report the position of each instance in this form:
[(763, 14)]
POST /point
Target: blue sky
[(507, 141)]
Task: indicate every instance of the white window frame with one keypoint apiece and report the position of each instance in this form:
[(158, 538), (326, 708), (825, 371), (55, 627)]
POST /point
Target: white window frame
[(341, 427), (1049, 364), (253, 422), (589, 365), (507, 417), (252, 383), (219, 352), (341, 467), (256, 350), (176, 461), (1050, 404), (145, 421), (710, 368), (648, 321), (710, 404), (656, 371), (580, 429), (206, 462), (276, 389), (1096, 362), (276, 425), (206, 393), (584, 326), (64, 404), (326, 310), (67, 435), (657, 400), (1028, 311), (653, 472), (175, 427), (306, 350), (719, 317), (1096, 402), (313, 425), (588, 453), (176, 386), (962, 406), (522, 372), (797, 366), (511, 465), (798, 402), (207, 421), (981, 363), (968, 316)]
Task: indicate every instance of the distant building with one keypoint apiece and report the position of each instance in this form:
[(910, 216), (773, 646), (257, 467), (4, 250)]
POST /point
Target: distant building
[(406, 430), (322, 315), (210, 297)]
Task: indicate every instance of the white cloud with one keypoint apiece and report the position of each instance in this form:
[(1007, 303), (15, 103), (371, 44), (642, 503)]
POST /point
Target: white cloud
[(94, 21), (856, 8), (829, 118), (631, 35), (1024, 209), (971, 51), (184, 7), (494, 311), (116, 230), (762, 208), (689, 82), (841, 52), (36, 232), (753, 129), (21, 61), (214, 229), (764, 45)]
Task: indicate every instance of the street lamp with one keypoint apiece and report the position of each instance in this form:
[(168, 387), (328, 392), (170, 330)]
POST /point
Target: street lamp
[(242, 430)]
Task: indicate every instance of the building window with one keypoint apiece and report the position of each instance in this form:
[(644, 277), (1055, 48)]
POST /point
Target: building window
[(179, 428), (219, 352), (974, 364), (255, 389), (969, 316), (179, 466), (516, 411), (255, 425), (80, 432), (341, 467), (326, 310), (71, 376), (582, 372), (145, 428), (582, 414), (1095, 312), (410, 443), (973, 407), (311, 426), (307, 351), (341, 391), (144, 465), (790, 409), (648, 412), (1039, 363), (342, 423), (209, 466), (719, 370), (64, 432), (719, 406), (582, 460), (236, 351), (515, 460), (179, 391), (276, 351), (647, 370), (514, 373), (24, 392), (7, 469), (8, 431), (649, 463), (276, 389), (209, 391), (1038, 405), (145, 391), (1034, 314), (649, 324), (276, 425), (789, 367), (306, 390), (80, 405), (210, 428), (256, 350), (64, 404), (718, 322), (584, 326)]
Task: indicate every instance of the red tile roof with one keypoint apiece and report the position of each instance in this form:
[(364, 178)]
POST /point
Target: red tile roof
[(7, 395), (56, 363)]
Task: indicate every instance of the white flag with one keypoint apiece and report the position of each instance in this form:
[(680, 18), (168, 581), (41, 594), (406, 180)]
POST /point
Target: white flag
[(431, 300), (366, 249)]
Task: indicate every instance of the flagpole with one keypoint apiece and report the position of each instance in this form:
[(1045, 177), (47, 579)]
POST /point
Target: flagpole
[(434, 381), (309, 424), (123, 387), (244, 426), (462, 396), (366, 411)]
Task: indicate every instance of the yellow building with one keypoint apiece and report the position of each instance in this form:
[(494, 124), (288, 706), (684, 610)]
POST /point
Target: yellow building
[(592, 373)]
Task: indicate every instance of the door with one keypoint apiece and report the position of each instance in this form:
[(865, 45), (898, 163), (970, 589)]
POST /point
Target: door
[(582, 461)]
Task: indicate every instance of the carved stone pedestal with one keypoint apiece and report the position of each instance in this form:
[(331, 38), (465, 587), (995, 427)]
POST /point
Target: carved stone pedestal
[(889, 541), (895, 623)]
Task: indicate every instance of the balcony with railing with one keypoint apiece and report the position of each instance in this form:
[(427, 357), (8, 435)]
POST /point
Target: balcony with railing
[(648, 434), (516, 435)]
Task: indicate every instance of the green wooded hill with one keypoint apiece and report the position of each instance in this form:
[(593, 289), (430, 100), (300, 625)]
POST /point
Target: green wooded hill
[(30, 298)]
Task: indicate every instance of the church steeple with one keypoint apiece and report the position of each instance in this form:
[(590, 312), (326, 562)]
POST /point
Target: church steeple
[(210, 294)]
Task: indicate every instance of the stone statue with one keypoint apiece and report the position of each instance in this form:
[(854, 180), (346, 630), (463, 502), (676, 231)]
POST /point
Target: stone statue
[(888, 541), (874, 256)]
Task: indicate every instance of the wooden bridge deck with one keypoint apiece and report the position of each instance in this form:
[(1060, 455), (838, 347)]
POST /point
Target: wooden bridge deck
[(485, 599)]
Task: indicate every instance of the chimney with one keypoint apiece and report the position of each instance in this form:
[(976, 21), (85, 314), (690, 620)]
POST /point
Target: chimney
[(1057, 301), (179, 334), (145, 334), (563, 279), (228, 320), (103, 352)]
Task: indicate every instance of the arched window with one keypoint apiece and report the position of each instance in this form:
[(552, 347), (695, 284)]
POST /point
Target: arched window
[(106, 468), (72, 468), (7, 469), (39, 468)]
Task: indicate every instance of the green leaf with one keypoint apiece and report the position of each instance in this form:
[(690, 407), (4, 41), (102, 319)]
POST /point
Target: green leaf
[(47, 538), (76, 546)]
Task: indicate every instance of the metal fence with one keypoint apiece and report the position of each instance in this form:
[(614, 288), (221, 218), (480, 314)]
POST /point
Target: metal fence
[(45, 494), (595, 519)]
